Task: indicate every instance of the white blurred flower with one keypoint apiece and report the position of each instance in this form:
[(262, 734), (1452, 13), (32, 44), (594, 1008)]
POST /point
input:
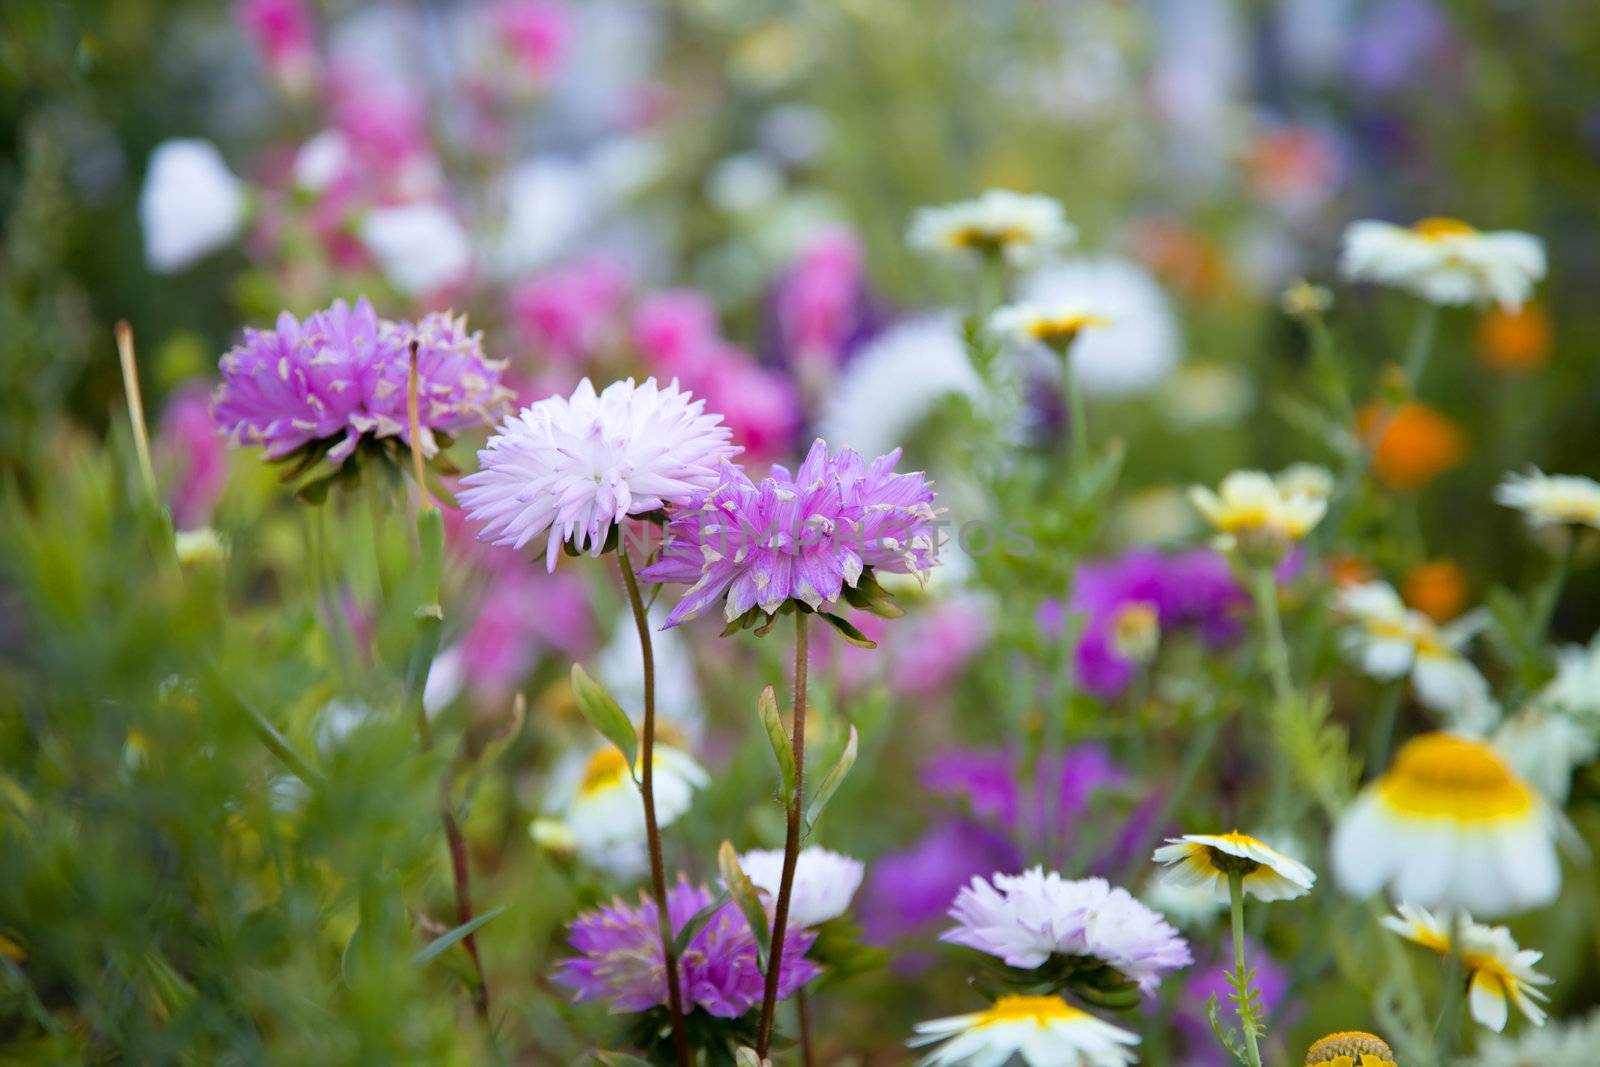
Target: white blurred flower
[(824, 881), (1135, 345), (321, 160), (743, 184), (1551, 499), (597, 799), (549, 204), (1559, 730), (1445, 261), (190, 206), (1306, 479), (1016, 227), (1207, 393), (1567, 1043), (420, 246), (1042, 1031), (1054, 327)]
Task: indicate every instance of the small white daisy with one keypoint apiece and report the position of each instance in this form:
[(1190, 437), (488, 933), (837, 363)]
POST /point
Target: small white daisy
[(1497, 969), (1130, 340), (190, 206), (1016, 227), (1055, 327), (1551, 499), (1206, 861), (1041, 1031), (601, 805), (1251, 512), (1570, 1043), (824, 881), (1445, 261)]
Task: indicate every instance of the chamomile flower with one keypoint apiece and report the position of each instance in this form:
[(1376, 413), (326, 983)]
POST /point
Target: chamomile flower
[(1206, 860), (600, 803), (1041, 1031), (1350, 1048), (1449, 825), (1055, 327), (1552, 499), (1389, 641), (1015, 227), (1130, 340), (1445, 261), (1251, 512), (1305, 479), (1498, 970)]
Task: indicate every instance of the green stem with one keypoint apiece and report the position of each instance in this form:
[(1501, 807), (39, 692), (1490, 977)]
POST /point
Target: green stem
[(1277, 649), (791, 843), (1455, 993), (658, 873), (1241, 974), (1419, 346), (1076, 415), (1199, 752), (1551, 595), (1381, 740)]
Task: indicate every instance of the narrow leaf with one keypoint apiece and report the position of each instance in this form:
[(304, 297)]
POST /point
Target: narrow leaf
[(782, 746), (604, 714), (439, 945), (832, 780), (747, 896), (697, 922), (849, 631)]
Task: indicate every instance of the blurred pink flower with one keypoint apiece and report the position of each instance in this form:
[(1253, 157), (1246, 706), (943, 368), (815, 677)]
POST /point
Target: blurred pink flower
[(675, 331), (937, 644), (194, 456), (818, 302), (283, 34), (566, 312), (536, 32)]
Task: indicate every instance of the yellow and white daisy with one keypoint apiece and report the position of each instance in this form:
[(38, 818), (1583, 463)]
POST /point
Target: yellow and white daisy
[(1136, 342), (1041, 1031), (1445, 261), (1388, 640), (1350, 1048), (1016, 227), (1305, 479), (1252, 513), (1206, 861), (1054, 326), (1449, 825), (602, 807), (1498, 970), (1551, 499)]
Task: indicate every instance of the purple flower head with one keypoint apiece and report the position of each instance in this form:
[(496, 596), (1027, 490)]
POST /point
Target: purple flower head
[(196, 459), (908, 889), (620, 957), (1027, 918), (804, 536), (1058, 794), (340, 376), (577, 466)]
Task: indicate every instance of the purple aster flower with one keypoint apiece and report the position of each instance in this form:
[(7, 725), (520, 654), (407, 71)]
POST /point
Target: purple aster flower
[(1058, 794), (340, 376), (908, 889), (1027, 918), (805, 536), (620, 957), (577, 466)]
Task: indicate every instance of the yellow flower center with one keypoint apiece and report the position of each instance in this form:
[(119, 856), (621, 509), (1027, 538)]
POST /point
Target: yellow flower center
[(987, 239), (1444, 776), (607, 770), (1061, 330), (1041, 1011), (1226, 862), (1350, 1048), (1437, 228), (1136, 631)]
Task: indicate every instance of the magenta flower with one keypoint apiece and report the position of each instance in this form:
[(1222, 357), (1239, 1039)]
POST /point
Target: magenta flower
[(620, 958), (537, 32), (821, 301), (282, 33), (566, 312), (340, 377), (196, 461), (804, 537)]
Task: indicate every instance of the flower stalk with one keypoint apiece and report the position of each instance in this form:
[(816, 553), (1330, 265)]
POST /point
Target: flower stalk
[(1241, 974), (130, 388), (791, 843)]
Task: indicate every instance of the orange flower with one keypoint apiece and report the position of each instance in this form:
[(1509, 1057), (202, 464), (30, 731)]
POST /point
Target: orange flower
[(1347, 570), (1514, 342), (1417, 445), (1179, 255), (1437, 588)]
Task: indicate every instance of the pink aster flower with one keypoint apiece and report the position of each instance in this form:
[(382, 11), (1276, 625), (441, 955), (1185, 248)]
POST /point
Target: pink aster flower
[(282, 33), (196, 461), (819, 300), (567, 312), (805, 536), (340, 376), (1027, 918), (620, 957), (676, 331), (577, 466)]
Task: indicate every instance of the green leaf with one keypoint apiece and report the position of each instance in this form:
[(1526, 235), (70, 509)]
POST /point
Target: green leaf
[(833, 779), (441, 944), (697, 922), (748, 897), (849, 631), (782, 745), (604, 714)]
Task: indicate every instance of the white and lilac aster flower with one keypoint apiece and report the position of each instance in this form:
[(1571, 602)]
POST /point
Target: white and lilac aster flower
[(577, 466), (620, 957), (805, 536), (824, 881), (340, 376), (1026, 918)]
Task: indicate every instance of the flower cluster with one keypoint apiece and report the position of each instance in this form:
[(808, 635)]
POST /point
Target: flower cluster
[(812, 537), (1445, 261), (1498, 971), (339, 377)]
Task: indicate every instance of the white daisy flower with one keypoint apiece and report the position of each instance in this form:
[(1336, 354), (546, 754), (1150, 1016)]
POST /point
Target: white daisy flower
[(602, 807), (1498, 970), (1130, 340), (1305, 479), (895, 382), (1559, 730), (1017, 227), (1445, 261), (1251, 512), (824, 881), (1389, 640), (576, 466), (1206, 861), (1551, 499), (1041, 1031), (420, 246), (1449, 825), (190, 206), (1054, 327), (1560, 1044)]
